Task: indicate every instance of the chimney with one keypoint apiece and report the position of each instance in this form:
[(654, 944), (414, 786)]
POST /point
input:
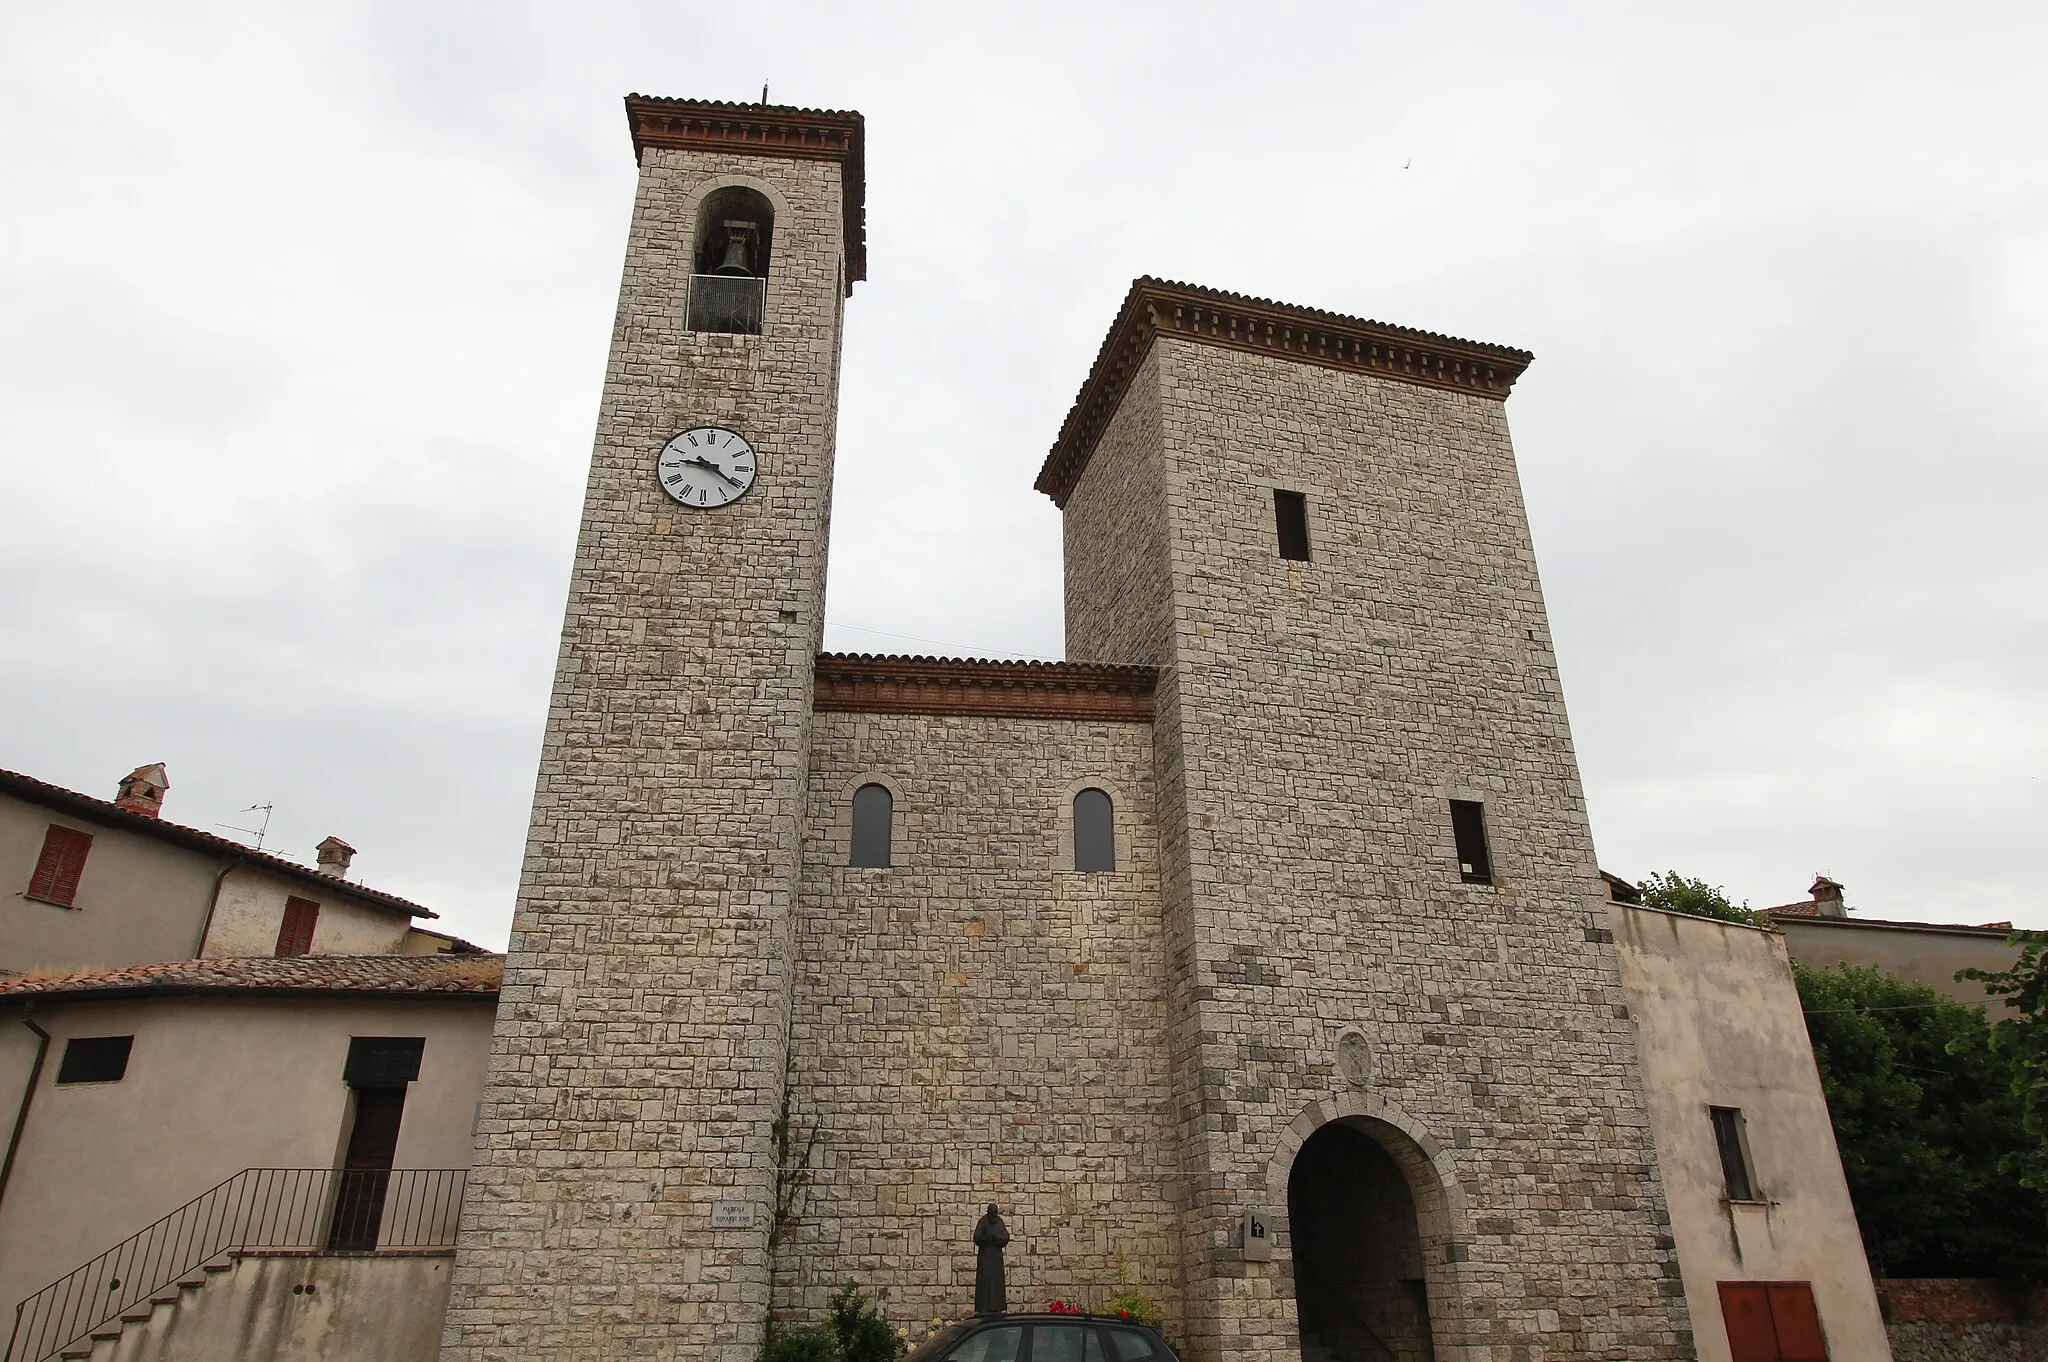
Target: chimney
[(143, 790), (335, 855), (1827, 898)]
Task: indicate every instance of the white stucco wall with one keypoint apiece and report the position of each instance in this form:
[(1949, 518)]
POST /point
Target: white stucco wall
[(1718, 1024), (213, 1086)]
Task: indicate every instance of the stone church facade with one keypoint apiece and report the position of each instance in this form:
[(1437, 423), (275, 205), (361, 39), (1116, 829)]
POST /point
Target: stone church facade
[(1351, 977)]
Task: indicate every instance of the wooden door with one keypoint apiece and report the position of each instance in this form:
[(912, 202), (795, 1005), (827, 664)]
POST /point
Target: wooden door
[(1772, 1322), (366, 1169)]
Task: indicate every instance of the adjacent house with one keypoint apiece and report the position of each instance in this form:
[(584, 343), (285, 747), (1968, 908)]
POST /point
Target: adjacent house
[(1819, 932), (94, 884), (301, 1124)]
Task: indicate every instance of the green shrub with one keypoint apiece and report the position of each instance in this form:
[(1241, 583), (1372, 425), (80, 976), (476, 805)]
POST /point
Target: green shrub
[(861, 1332), (816, 1344)]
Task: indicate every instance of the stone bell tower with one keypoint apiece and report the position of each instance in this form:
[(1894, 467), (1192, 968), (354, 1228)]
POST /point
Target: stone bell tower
[(625, 1176), (1399, 1035)]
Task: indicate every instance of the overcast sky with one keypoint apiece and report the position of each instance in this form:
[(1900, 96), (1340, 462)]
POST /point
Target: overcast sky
[(303, 316)]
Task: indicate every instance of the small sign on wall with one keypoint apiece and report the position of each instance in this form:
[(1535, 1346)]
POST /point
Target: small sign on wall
[(732, 1215), (1256, 1236)]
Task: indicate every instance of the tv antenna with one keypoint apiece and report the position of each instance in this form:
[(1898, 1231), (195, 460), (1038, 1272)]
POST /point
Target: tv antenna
[(260, 831)]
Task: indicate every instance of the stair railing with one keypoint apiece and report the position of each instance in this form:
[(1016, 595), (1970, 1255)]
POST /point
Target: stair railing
[(303, 1209)]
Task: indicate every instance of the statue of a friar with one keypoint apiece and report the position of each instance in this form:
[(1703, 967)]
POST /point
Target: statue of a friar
[(991, 1297)]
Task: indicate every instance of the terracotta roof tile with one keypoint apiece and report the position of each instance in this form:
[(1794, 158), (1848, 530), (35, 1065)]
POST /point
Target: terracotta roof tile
[(359, 975)]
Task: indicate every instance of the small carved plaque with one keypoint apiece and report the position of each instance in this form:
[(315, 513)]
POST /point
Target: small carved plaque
[(1354, 1059), (732, 1215)]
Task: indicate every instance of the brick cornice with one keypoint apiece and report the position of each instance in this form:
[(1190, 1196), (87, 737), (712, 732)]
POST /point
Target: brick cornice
[(861, 683), (1156, 307), (765, 130)]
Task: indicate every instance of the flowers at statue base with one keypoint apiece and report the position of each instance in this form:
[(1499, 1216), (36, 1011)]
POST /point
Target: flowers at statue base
[(1064, 1307)]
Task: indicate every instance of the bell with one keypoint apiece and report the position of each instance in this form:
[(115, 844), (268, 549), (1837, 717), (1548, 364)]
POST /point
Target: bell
[(736, 255)]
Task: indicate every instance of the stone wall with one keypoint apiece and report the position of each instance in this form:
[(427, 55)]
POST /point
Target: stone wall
[(638, 1063), (978, 1023), (1945, 1319), (1313, 721)]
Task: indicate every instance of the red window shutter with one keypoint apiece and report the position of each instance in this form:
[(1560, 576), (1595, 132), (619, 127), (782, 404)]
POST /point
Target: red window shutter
[(1797, 1322), (1746, 1309), (295, 937), (59, 867)]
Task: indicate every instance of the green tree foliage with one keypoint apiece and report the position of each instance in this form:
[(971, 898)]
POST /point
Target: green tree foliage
[(1927, 1122), (1674, 893), (2021, 1037)]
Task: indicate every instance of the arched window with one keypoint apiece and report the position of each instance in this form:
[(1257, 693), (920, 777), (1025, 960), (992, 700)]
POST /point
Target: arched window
[(874, 809), (1094, 831), (729, 279)]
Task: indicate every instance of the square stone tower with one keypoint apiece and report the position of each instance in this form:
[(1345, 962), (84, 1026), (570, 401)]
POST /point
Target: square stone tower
[(620, 1202), (1399, 1033)]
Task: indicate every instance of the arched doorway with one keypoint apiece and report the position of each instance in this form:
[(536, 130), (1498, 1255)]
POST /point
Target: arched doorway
[(1359, 1292)]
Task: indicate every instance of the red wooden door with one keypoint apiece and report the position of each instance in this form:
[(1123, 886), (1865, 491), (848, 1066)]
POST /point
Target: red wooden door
[(1797, 1322), (1772, 1322)]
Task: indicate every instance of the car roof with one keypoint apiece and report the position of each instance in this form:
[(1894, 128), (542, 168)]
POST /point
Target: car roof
[(1032, 1316)]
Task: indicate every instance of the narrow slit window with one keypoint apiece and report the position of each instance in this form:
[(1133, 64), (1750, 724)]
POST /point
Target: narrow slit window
[(1728, 1140), (95, 1059), (59, 867), (295, 934), (874, 810), (1094, 831), (1468, 828), (1290, 519)]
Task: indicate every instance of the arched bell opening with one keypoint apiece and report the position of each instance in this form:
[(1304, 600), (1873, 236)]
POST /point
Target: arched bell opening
[(1361, 1284), (729, 281)]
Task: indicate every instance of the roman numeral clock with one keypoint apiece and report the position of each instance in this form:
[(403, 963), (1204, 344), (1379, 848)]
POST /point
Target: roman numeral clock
[(706, 466)]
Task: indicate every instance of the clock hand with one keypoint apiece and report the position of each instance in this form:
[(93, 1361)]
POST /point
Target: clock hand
[(713, 468)]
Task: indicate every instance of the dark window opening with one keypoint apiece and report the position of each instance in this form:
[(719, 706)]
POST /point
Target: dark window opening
[(729, 285), (1734, 1158), (874, 809), (58, 868), (1290, 518), (1094, 831), (383, 1061), (295, 934), (95, 1059), (1468, 827)]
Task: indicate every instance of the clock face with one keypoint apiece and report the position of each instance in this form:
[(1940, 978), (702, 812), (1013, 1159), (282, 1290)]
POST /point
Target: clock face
[(706, 466)]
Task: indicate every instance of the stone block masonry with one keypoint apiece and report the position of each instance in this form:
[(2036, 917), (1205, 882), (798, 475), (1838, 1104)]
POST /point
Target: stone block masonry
[(1313, 722), (979, 1022), (638, 1061), (732, 1072)]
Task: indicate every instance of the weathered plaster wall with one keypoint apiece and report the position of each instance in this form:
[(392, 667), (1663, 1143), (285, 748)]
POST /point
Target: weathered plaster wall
[(638, 1065), (360, 1309), (1313, 722), (1925, 953), (979, 1022), (251, 911), (213, 1086), (1719, 1025), (139, 900)]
